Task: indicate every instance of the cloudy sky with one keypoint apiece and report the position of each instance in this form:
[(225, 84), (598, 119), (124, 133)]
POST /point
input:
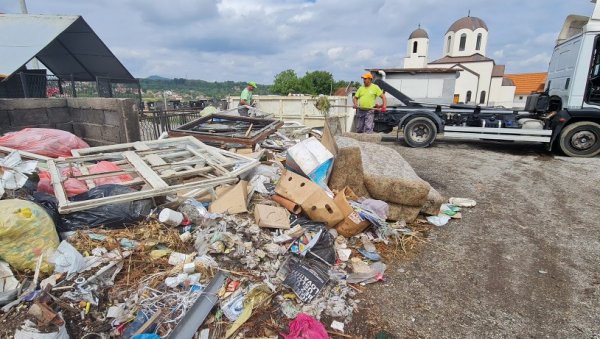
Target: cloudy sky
[(218, 40)]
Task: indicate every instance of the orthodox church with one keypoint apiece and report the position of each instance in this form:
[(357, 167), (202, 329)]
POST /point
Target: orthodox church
[(480, 81)]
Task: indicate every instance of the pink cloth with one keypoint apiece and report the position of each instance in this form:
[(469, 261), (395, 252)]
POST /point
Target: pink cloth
[(306, 327)]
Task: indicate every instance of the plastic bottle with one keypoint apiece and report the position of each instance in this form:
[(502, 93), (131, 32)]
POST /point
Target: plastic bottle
[(194, 211)]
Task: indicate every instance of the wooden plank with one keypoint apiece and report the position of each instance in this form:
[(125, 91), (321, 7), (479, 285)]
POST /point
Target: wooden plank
[(140, 146), (59, 191), (492, 130), (216, 171), (149, 323), (75, 206), (475, 136), (155, 160), (25, 154), (90, 183), (144, 170), (211, 163), (178, 142)]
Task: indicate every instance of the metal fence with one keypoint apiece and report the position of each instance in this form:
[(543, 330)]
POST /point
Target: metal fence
[(154, 123), (37, 84)]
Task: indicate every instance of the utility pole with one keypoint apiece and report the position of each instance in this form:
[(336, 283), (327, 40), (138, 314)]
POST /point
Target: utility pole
[(23, 7), (34, 62)]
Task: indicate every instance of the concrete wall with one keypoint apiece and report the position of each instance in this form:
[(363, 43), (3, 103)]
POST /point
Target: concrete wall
[(302, 109), (98, 121)]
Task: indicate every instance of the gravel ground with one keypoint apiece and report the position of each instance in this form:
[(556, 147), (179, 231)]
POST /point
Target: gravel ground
[(523, 263)]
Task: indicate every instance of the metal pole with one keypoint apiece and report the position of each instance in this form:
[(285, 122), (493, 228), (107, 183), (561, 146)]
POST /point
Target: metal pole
[(23, 7), (24, 85), (73, 91), (36, 65)]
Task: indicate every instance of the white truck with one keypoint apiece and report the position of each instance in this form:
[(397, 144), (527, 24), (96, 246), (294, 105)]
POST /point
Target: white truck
[(565, 116)]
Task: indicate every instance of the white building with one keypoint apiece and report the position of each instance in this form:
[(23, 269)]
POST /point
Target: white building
[(480, 81)]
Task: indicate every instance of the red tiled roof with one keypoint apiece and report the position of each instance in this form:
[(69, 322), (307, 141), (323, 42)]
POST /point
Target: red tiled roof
[(528, 83)]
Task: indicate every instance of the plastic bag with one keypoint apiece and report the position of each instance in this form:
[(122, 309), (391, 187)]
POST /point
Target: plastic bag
[(306, 277), (72, 186), (324, 248), (26, 232), (49, 142), (110, 216), (306, 327), (107, 166)]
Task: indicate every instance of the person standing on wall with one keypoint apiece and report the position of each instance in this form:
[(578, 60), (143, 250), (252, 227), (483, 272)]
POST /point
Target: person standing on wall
[(246, 99), (364, 101)]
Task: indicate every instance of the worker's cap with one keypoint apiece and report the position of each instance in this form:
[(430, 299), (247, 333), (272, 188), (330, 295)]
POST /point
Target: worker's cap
[(253, 84), (367, 75)]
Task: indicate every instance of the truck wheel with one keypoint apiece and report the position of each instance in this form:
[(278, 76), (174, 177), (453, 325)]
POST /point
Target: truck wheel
[(580, 139), (420, 132)]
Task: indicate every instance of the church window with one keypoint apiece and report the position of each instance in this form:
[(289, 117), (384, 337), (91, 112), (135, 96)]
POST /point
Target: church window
[(463, 42), (415, 45), (482, 98), (478, 45), (448, 45), (468, 96)]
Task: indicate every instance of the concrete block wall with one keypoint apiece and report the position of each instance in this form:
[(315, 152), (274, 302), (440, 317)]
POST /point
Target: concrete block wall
[(16, 114), (101, 121), (98, 121)]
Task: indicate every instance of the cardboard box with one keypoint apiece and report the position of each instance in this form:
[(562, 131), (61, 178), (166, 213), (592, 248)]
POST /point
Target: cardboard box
[(353, 223), (317, 205), (311, 158), (271, 216), (233, 201)]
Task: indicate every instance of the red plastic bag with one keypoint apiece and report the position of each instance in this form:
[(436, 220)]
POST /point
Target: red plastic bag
[(72, 186), (107, 166), (52, 143)]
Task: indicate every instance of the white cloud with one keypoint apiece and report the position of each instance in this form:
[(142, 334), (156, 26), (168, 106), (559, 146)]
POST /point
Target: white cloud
[(364, 54), (335, 53), (239, 40)]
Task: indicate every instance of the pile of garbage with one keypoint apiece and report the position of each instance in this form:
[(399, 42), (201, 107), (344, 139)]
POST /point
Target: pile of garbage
[(272, 253)]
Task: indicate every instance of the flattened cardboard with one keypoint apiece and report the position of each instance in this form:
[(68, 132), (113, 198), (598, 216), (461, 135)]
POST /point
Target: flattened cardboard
[(353, 223), (271, 217), (232, 201)]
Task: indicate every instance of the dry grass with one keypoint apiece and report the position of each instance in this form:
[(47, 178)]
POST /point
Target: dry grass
[(139, 265)]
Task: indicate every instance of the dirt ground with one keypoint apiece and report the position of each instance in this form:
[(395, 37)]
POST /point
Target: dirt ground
[(523, 263)]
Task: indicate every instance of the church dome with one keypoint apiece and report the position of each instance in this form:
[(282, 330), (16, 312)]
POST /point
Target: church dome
[(419, 33), (468, 22)]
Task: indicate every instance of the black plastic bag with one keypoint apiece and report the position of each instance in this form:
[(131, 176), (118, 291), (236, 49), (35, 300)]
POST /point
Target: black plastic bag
[(110, 216), (325, 246), (306, 277)]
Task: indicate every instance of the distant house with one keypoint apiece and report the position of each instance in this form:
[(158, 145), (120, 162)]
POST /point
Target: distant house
[(526, 84)]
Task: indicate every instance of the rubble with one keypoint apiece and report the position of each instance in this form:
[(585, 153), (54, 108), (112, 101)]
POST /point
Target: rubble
[(221, 252)]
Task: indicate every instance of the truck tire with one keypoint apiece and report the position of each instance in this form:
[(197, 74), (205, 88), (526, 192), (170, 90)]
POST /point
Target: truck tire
[(580, 139), (419, 132)]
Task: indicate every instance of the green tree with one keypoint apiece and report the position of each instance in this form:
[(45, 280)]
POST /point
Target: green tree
[(286, 82), (318, 82)]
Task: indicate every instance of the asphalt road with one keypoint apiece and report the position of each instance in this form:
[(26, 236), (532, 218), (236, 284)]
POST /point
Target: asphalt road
[(525, 262)]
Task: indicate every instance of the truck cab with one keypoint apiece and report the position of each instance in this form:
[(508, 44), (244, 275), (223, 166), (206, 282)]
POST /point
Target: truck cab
[(572, 95)]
